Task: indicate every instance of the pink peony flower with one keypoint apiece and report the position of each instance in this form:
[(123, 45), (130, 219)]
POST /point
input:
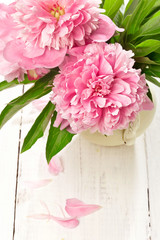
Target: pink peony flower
[(57, 24), (98, 89), (8, 32), (40, 32)]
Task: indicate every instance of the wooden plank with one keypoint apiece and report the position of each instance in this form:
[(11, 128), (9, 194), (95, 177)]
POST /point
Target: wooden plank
[(9, 141), (153, 163), (115, 178)]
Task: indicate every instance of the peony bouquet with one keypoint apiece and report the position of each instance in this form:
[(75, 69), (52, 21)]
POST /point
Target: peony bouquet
[(92, 56)]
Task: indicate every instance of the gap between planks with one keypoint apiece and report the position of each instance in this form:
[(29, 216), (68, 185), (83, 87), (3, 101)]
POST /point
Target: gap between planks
[(148, 192), (17, 173)]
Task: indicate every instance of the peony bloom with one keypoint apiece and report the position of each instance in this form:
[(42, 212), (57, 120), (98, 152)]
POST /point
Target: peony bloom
[(62, 23), (98, 89), (8, 69), (13, 69), (40, 32)]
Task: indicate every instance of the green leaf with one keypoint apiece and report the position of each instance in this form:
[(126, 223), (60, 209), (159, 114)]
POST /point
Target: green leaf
[(155, 8), (158, 50), (145, 60), (142, 39), (141, 11), (155, 57), (4, 85), (149, 28), (149, 94), (118, 18), (102, 4), (38, 128), (112, 7), (153, 80), (57, 140), (153, 71), (146, 47), (132, 4), (42, 87), (126, 21)]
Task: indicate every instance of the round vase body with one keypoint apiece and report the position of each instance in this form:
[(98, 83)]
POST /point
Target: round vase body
[(126, 136)]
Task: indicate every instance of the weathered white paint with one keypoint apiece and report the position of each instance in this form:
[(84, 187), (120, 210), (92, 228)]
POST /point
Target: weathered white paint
[(115, 178)]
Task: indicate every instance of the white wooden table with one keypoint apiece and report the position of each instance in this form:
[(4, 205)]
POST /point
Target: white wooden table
[(125, 181)]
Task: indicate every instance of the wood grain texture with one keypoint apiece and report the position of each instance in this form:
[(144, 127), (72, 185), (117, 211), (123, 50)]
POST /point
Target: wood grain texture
[(114, 177), (123, 180), (153, 164)]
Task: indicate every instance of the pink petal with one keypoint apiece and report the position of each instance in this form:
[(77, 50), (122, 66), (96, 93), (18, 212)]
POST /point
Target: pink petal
[(15, 51), (147, 104), (105, 67), (51, 58), (37, 184), (32, 51), (76, 208), (55, 166), (106, 29), (39, 104), (78, 33), (65, 222)]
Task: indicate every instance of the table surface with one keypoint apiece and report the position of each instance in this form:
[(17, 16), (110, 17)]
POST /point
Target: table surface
[(125, 181)]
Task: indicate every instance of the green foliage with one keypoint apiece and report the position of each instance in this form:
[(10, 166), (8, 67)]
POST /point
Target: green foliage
[(42, 87), (153, 70), (57, 140), (5, 85), (118, 18), (112, 7), (39, 126), (150, 28), (153, 80), (146, 47), (141, 21), (140, 12)]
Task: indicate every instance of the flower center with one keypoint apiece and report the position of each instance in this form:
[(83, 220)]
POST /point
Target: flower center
[(57, 11), (101, 85)]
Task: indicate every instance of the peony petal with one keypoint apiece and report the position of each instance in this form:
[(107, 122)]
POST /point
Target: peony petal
[(14, 52), (77, 208), (39, 104), (37, 184), (55, 166), (51, 58), (105, 67), (106, 29), (147, 104), (31, 51), (65, 222)]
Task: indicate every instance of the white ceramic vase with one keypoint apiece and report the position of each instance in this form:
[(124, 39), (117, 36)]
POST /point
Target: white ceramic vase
[(126, 136)]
